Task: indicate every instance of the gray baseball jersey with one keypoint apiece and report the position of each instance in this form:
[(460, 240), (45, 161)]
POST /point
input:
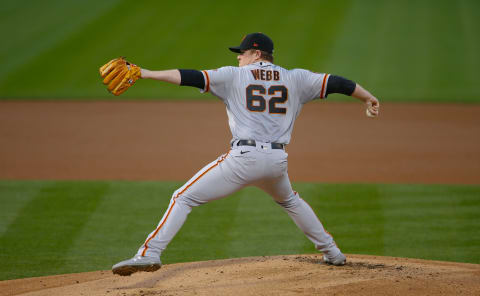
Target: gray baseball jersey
[(263, 100)]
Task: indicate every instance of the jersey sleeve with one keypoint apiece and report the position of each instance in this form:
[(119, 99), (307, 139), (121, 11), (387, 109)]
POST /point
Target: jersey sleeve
[(218, 80), (312, 85)]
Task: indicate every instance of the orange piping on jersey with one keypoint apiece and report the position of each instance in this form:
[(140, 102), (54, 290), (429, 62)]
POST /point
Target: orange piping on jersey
[(208, 81), (174, 200), (323, 85)]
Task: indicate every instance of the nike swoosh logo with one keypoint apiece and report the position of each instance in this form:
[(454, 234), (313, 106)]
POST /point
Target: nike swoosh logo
[(243, 152)]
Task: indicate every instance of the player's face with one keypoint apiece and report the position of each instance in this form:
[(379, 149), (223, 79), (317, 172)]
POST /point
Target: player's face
[(247, 57)]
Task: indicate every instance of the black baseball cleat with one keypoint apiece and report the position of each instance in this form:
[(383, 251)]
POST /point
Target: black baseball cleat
[(136, 264)]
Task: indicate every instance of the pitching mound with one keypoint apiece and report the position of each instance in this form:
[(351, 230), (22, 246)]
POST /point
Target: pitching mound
[(278, 275)]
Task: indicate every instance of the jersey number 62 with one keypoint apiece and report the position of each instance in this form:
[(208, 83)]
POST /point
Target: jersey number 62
[(256, 98)]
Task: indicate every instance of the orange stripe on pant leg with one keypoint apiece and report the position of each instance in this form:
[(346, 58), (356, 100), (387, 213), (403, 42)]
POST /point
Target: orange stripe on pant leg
[(219, 161), (174, 200), (158, 228)]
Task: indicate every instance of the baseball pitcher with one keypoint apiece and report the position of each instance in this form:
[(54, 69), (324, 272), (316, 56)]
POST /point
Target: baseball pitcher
[(262, 101)]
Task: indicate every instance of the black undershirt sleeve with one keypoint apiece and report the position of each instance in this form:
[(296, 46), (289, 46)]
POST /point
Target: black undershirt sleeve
[(340, 85), (192, 78)]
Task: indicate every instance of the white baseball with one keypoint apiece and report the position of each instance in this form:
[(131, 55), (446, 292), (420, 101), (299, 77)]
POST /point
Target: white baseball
[(369, 114)]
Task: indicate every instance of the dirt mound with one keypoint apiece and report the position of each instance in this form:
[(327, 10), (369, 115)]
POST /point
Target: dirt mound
[(277, 275)]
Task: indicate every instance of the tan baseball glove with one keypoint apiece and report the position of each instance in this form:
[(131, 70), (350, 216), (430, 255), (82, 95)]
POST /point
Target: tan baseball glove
[(119, 75)]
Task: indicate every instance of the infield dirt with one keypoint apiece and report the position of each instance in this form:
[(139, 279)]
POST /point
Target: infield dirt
[(331, 142), (408, 143), (278, 275)]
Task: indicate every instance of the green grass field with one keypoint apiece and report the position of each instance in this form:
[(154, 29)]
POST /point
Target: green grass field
[(63, 227), (402, 50)]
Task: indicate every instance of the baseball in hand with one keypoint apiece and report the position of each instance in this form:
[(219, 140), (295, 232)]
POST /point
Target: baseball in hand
[(369, 114)]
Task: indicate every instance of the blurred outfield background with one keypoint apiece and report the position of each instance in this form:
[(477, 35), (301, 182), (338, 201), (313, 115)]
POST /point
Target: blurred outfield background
[(406, 51)]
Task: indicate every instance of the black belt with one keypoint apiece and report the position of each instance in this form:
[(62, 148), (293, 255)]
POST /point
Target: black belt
[(253, 143)]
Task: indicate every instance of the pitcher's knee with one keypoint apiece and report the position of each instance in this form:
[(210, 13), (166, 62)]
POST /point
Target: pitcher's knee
[(188, 200), (291, 202)]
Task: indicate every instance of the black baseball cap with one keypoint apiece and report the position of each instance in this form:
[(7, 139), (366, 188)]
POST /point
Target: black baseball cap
[(258, 41)]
